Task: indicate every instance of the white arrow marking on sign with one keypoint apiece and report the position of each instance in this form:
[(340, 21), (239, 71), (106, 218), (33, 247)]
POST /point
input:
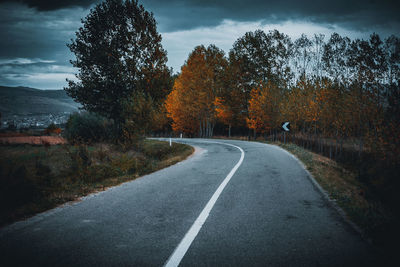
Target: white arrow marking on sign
[(284, 126)]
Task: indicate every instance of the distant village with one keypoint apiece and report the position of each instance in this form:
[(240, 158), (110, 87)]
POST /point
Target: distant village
[(33, 121)]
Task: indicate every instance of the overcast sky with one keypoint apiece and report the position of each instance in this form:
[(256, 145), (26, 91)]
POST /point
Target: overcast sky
[(33, 33)]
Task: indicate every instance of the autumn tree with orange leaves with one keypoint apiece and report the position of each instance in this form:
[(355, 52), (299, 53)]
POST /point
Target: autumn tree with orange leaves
[(258, 119), (340, 89), (264, 108), (191, 104)]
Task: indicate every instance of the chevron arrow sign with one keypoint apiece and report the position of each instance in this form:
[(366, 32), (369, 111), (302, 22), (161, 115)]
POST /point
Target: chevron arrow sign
[(286, 126)]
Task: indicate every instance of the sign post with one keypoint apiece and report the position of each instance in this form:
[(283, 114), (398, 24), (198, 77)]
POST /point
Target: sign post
[(286, 128)]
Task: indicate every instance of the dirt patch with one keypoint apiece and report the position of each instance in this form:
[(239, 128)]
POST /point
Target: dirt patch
[(33, 140)]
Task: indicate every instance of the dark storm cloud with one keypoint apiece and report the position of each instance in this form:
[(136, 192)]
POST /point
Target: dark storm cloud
[(28, 33), (175, 15), (53, 4), (34, 33), (358, 14), (33, 43)]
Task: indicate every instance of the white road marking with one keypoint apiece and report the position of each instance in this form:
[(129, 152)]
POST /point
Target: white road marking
[(185, 243)]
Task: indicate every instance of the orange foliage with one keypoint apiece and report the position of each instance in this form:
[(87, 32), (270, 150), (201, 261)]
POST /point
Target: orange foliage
[(56, 131), (258, 119), (265, 107), (191, 103), (224, 113)]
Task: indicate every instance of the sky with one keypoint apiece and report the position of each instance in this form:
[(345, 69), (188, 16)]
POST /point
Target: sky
[(34, 33)]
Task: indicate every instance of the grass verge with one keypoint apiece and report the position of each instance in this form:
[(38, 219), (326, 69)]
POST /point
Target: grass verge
[(355, 198), (36, 178)]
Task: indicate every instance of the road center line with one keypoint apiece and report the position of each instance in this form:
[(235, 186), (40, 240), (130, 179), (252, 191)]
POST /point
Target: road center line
[(185, 243)]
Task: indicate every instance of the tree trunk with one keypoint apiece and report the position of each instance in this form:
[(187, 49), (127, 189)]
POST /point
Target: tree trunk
[(341, 146), (336, 143)]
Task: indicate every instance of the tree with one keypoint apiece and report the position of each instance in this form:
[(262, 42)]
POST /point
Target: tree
[(302, 55), (318, 42), (231, 102), (191, 104), (139, 113), (224, 112), (264, 108), (119, 54), (180, 110), (252, 52), (258, 119), (263, 57), (335, 58), (281, 51), (392, 48), (259, 57)]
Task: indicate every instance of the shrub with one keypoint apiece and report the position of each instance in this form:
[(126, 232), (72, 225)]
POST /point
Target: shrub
[(158, 151), (16, 185), (80, 160), (52, 129), (87, 128)]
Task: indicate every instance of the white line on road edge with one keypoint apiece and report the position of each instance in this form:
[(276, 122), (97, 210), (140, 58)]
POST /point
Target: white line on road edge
[(185, 243)]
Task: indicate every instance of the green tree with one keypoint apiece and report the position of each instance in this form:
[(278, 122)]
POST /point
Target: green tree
[(140, 112), (335, 58), (303, 55), (259, 57), (119, 54)]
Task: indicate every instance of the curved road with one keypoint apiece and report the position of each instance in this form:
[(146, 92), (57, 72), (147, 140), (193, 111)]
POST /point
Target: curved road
[(232, 203)]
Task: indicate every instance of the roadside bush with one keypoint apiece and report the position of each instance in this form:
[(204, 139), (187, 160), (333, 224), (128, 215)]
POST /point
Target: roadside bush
[(160, 151), (87, 128), (80, 160), (52, 129), (157, 151), (98, 173)]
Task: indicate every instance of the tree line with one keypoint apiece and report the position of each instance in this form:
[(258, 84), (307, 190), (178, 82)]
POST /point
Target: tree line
[(337, 88)]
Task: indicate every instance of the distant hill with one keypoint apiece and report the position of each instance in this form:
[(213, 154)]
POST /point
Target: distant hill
[(24, 101)]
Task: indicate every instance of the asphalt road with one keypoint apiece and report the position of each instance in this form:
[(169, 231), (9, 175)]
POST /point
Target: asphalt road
[(268, 213)]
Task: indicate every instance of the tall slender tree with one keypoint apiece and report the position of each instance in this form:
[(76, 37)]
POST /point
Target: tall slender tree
[(191, 104)]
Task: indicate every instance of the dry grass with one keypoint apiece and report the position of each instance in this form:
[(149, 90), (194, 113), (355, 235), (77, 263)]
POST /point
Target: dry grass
[(354, 197), (36, 178), (33, 140)]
